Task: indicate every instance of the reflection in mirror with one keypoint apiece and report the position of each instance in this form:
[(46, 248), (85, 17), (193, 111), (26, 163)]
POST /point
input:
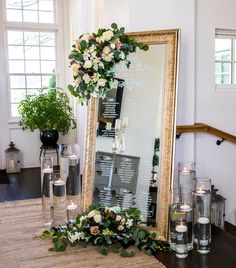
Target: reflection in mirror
[(129, 148), (124, 178)]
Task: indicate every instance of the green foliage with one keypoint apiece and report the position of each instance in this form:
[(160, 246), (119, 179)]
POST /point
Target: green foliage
[(48, 110), (100, 227), (93, 59)]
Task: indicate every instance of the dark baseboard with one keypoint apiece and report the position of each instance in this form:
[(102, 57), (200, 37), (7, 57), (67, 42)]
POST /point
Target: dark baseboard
[(230, 228)]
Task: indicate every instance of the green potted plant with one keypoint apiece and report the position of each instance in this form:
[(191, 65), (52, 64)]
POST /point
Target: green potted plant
[(50, 112)]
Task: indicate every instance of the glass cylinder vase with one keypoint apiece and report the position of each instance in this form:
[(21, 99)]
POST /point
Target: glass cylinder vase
[(73, 185), (181, 210), (186, 173), (59, 201), (202, 213), (47, 199)]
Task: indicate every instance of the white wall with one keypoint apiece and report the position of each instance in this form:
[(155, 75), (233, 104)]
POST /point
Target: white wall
[(197, 21), (215, 108), (208, 106)]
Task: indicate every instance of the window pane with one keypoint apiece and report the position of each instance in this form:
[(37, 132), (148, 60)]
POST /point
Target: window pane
[(223, 73), (46, 17), (17, 95), (33, 81), (30, 4), (32, 66), (15, 37), (31, 38), (16, 66), (235, 49), (14, 15), (46, 79), (16, 52), (31, 53), (30, 16), (47, 66), (17, 4), (47, 53), (222, 49), (17, 81), (234, 74), (46, 5), (32, 91), (47, 39), (14, 110)]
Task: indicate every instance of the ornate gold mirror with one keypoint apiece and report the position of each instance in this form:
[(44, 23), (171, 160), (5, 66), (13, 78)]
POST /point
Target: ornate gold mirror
[(137, 171)]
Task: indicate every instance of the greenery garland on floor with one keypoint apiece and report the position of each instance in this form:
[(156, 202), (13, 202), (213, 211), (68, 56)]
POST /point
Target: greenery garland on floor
[(109, 229)]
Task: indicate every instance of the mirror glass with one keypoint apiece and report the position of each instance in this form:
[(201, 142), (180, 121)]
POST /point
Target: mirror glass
[(130, 134)]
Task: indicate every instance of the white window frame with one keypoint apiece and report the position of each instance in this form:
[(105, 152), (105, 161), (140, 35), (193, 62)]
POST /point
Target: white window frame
[(227, 34), (61, 29)]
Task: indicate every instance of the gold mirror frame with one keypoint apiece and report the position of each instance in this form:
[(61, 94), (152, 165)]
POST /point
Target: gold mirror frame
[(171, 39)]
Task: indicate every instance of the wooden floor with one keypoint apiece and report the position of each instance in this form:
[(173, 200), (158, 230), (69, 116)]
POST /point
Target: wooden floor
[(24, 185)]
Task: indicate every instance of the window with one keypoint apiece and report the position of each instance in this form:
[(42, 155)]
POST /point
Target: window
[(225, 59), (31, 38)]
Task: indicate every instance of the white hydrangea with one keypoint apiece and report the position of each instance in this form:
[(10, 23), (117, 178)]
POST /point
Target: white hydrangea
[(122, 55), (129, 223), (113, 83), (76, 236), (101, 82), (115, 209)]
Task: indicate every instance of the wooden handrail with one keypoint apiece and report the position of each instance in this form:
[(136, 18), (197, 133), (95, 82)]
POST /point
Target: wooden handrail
[(200, 127)]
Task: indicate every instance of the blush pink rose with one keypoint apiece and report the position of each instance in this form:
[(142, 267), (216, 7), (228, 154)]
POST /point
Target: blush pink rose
[(94, 230)]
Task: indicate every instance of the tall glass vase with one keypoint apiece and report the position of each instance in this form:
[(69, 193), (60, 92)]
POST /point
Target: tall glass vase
[(73, 185), (202, 213)]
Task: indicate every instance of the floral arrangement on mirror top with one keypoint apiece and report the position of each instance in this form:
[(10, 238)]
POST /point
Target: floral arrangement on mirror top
[(93, 58), (110, 229)]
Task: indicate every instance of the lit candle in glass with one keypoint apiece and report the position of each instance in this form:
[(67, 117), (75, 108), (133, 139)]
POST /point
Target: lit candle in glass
[(71, 212)]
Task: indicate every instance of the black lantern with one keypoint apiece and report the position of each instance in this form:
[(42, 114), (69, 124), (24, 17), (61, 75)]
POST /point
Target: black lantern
[(12, 159)]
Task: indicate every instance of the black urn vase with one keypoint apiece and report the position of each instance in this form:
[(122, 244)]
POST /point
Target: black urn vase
[(49, 138)]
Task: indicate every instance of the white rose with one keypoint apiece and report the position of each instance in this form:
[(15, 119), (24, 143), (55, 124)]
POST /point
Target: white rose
[(86, 78), (108, 57), (120, 227), (107, 35), (118, 218), (91, 214), (74, 69), (87, 64), (100, 39), (113, 46), (106, 50), (101, 82), (97, 218)]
